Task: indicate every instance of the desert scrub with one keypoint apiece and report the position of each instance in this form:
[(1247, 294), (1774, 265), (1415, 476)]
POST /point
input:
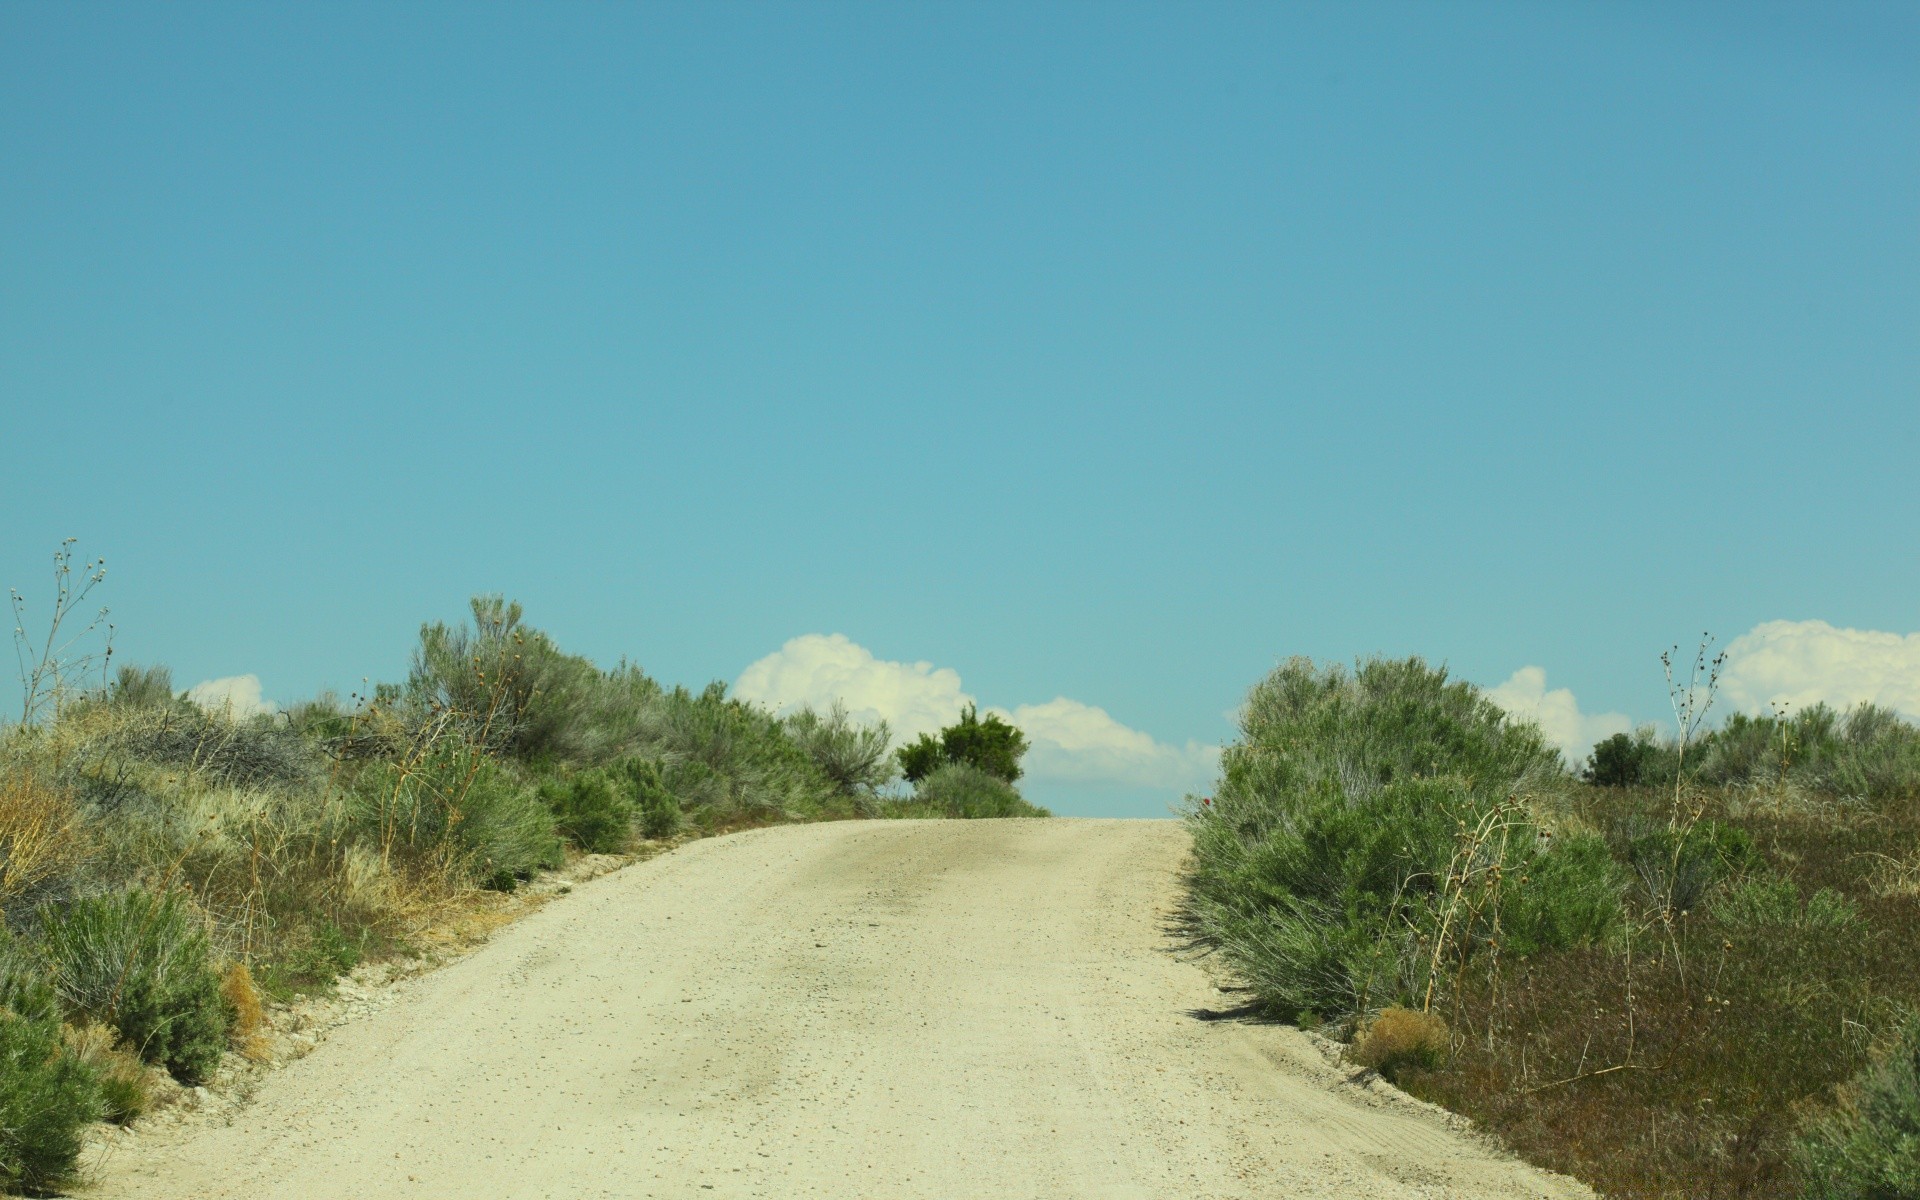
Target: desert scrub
[(1374, 830), (655, 808), (963, 791), (120, 1073), (593, 810), (1870, 1147), (1397, 1040), (48, 1097), (453, 805), (141, 964), (40, 837)]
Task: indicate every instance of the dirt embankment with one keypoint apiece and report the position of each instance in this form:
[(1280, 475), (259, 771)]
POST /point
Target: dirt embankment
[(864, 1009)]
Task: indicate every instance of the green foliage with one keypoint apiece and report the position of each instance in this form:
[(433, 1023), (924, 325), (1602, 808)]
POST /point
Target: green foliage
[(140, 964), (656, 808), (1677, 867), (1620, 761), (991, 745), (1870, 1148), (513, 691), (1365, 819), (1869, 753), (1767, 900), (141, 687), (48, 1097), (593, 810), (25, 989), (854, 757), (962, 790), (458, 801)]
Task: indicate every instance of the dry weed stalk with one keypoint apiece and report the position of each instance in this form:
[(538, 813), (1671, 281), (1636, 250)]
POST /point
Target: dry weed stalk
[(45, 669)]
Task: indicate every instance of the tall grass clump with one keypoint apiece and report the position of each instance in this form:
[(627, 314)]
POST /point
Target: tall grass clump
[(1376, 829), (141, 964)]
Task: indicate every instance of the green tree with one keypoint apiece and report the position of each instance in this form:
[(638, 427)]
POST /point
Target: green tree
[(989, 744)]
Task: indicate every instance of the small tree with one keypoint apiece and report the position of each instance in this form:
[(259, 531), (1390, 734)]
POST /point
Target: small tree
[(990, 744), (1620, 761)]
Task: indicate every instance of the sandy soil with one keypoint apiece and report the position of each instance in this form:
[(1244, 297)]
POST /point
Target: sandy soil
[(869, 1009)]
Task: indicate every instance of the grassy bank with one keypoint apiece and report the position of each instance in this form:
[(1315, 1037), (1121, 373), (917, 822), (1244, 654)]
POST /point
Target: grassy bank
[(164, 869), (1690, 970)]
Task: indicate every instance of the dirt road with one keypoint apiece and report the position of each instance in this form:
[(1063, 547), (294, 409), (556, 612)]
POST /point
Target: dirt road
[(873, 1009)]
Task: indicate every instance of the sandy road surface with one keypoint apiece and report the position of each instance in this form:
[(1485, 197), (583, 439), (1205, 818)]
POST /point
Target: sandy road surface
[(872, 1009)]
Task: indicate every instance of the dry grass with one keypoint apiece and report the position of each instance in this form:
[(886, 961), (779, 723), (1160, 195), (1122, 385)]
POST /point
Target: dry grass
[(123, 1077), (248, 1034), (40, 835), (1401, 1038)]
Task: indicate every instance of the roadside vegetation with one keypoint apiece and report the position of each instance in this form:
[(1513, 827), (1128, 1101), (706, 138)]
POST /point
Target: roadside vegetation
[(1690, 969), (166, 869)]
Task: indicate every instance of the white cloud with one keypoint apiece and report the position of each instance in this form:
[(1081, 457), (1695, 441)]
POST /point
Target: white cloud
[(1801, 663), (1558, 714), (1075, 741), (1070, 741), (817, 669), (238, 695)]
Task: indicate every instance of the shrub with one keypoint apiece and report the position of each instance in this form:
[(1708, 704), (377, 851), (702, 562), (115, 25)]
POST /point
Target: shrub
[(1870, 1148), (140, 964), (121, 1074), (992, 746), (965, 791), (1677, 868), (509, 688), (25, 988), (455, 803), (1868, 753), (1619, 761), (48, 1097), (254, 752), (1371, 824), (1401, 1038), (1767, 900), (656, 808), (854, 757), (592, 810)]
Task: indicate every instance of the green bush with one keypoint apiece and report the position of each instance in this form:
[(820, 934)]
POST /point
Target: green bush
[(48, 1097), (654, 806), (853, 756), (140, 964), (1868, 753), (1870, 1148), (961, 790), (593, 810), (1365, 818), (458, 801), (1765, 900), (989, 745), (1620, 761), (1677, 868), (25, 988)]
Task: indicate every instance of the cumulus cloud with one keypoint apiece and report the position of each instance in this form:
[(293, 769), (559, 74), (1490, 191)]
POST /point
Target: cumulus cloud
[(1558, 714), (238, 695), (818, 669), (1075, 741), (1070, 741), (1801, 663)]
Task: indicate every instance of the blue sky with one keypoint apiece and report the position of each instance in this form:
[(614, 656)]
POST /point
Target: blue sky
[(1102, 352)]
